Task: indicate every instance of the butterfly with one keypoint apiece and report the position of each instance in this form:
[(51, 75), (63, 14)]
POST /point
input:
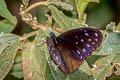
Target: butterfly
[(72, 47)]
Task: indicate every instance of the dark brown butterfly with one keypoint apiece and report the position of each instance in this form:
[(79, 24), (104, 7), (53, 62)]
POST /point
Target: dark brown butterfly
[(71, 48)]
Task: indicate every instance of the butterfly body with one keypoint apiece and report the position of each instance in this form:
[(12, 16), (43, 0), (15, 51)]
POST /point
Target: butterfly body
[(71, 48)]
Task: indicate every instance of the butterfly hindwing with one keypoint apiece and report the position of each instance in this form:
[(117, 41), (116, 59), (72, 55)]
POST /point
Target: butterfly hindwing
[(71, 63), (55, 54)]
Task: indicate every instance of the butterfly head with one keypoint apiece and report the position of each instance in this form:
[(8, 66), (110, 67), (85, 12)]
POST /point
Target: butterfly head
[(54, 38)]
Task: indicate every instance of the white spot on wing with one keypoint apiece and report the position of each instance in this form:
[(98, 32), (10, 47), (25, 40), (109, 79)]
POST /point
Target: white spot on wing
[(96, 39), (53, 54), (56, 58), (96, 34), (59, 63), (88, 54), (81, 29), (89, 39), (90, 50), (52, 49), (93, 42), (93, 48), (88, 45), (84, 50), (76, 37), (81, 57), (82, 40), (86, 34), (76, 42), (78, 51)]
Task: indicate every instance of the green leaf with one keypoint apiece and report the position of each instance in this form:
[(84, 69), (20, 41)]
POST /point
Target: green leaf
[(10, 22), (111, 44), (81, 6), (102, 67), (34, 58), (63, 21), (116, 59), (4, 11), (7, 58), (118, 27), (113, 77), (110, 27), (6, 40), (8, 25), (32, 63), (17, 69), (63, 5), (25, 2), (92, 59)]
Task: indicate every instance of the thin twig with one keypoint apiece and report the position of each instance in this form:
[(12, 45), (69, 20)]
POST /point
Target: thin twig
[(35, 5), (26, 36)]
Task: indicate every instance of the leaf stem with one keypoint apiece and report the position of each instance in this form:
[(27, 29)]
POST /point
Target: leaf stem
[(26, 36), (36, 4)]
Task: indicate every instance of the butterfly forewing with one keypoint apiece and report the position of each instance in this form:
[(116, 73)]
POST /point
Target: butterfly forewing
[(84, 41)]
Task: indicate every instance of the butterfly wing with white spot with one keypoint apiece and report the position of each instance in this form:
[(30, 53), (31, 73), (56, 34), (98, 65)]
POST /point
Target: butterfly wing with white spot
[(81, 41)]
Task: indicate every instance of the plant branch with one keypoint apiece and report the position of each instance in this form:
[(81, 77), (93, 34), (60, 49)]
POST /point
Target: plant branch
[(26, 36), (35, 5)]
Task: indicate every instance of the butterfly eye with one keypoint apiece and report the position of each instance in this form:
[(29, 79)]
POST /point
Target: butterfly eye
[(71, 48)]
